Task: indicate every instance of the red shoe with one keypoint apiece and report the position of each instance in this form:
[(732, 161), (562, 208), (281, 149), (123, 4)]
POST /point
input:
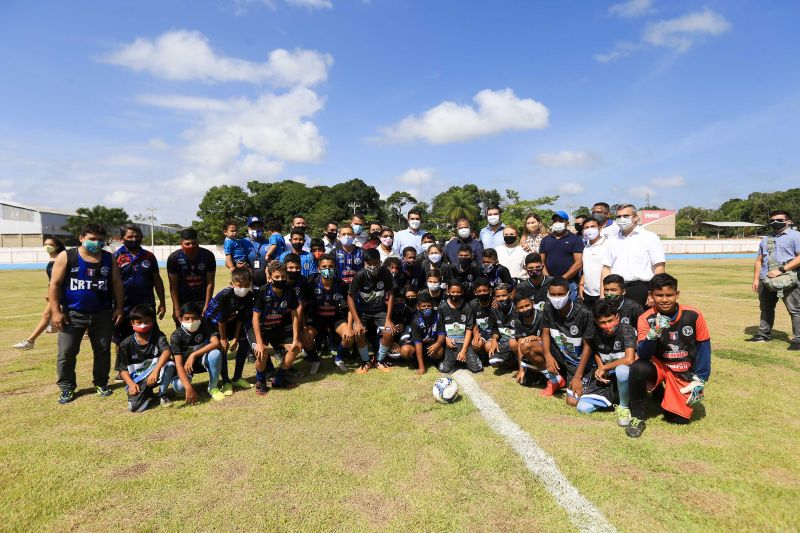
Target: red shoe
[(552, 388)]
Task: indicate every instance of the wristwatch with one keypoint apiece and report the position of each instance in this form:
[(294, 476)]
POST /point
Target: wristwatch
[(783, 270)]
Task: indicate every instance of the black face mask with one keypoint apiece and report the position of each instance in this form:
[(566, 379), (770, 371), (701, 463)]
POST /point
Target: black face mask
[(331, 236), (134, 244), (375, 235), (455, 299), (527, 313), (297, 245), (509, 239), (279, 284), (777, 226), (579, 228), (484, 297), (411, 302), (504, 305), (465, 262), (292, 275), (600, 217)]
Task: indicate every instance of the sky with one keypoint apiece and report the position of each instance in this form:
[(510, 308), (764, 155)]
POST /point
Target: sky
[(139, 104)]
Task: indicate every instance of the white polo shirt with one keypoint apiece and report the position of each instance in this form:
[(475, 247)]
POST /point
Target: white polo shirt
[(632, 256), (513, 259), (610, 230), (593, 255)]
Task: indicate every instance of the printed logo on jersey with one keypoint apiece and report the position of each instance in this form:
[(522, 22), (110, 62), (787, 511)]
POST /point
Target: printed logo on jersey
[(357, 261), (573, 330), (201, 266), (145, 264), (104, 270), (283, 304), (198, 337), (379, 286), (617, 345), (687, 331), (90, 272), (625, 320)]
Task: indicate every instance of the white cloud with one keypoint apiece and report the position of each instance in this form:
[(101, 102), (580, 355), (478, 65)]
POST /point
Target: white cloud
[(157, 143), (126, 160), (570, 189), (621, 49), (311, 4), (187, 55), (414, 176), (494, 112), (631, 8), (183, 102), (119, 198), (567, 158), (668, 182), (241, 7), (679, 33), (642, 192)]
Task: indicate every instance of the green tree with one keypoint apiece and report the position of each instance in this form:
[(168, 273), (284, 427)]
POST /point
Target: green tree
[(684, 227), (165, 238), (109, 218), (394, 206), (226, 202), (514, 214), (455, 203)]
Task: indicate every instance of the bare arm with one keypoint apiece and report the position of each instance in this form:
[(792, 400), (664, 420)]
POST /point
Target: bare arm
[(119, 293), (577, 264), (54, 290), (659, 268), (158, 283), (209, 289)]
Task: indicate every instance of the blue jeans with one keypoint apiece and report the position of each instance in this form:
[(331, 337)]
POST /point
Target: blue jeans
[(573, 291), (212, 362)]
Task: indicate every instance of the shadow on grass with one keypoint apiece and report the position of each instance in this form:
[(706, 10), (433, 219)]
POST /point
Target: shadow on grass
[(776, 335)]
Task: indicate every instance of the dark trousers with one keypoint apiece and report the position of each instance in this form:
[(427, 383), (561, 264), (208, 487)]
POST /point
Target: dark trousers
[(100, 327), (767, 300), (642, 378), (637, 291)]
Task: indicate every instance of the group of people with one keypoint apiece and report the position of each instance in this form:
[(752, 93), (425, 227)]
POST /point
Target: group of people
[(591, 313)]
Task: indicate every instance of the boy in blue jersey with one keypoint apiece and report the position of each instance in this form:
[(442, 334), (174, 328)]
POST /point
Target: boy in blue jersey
[(277, 244), (427, 335), (308, 265), (349, 257), (258, 253), (237, 249)]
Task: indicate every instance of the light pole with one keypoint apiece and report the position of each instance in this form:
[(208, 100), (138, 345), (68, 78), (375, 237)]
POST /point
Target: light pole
[(152, 218), (354, 206)]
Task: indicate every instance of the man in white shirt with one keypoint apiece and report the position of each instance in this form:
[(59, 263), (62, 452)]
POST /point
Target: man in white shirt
[(636, 255), (511, 255), (602, 213), (331, 236), (298, 221), (492, 235), (411, 236), (594, 248)]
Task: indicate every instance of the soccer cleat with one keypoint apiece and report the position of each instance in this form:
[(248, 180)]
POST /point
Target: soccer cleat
[(227, 389), (383, 366), (67, 395), (165, 401), (552, 388), (314, 367), (623, 415), (394, 354), (105, 392), (635, 428), (216, 394), (283, 384), (364, 368), (24, 345), (340, 365), (242, 384), (261, 388), (793, 345), (496, 360), (758, 337)]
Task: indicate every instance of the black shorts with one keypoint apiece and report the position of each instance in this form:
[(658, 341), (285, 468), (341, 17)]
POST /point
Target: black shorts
[(373, 321), (276, 337), (568, 370), (324, 325), (603, 392)]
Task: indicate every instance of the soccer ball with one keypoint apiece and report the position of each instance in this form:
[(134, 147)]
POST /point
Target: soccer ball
[(445, 390)]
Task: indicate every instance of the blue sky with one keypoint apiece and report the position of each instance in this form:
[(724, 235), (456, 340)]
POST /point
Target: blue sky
[(138, 104)]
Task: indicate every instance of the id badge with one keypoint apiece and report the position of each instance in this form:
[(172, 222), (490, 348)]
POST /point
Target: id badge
[(256, 264)]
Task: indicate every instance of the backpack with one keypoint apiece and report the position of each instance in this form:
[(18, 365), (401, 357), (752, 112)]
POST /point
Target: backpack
[(780, 283)]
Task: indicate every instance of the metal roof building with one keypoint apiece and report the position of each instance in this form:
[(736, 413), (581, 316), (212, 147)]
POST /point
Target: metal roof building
[(27, 224)]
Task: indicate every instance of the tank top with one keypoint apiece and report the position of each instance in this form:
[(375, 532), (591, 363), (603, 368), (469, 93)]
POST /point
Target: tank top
[(87, 286)]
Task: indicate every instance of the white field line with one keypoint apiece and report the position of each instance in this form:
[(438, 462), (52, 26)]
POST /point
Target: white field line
[(583, 514)]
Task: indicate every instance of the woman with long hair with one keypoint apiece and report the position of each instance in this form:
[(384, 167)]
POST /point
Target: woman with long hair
[(53, 246), (532, 233)]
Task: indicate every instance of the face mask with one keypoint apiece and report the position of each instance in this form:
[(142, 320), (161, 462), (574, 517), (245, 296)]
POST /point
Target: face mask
[(487, 269), (435, 258), (535, 272), (279, 284), (504, 305), (578, 227), (509, 239), (255, 233), (591, 233), (484, 297), (346, 240), (375, 235), (93, 246), (331, 236), (608, 329), (133, 244), (292, 275), (414, 224), (409, 262), (357, 229), (601, 218), (387, 241), (426, 245), (455, 298), (189, 249), (558, 301), (612, 297), (777, 226), (327, 273), (434, 287), (241, 292), (624, 223), (49, 249), (317, 255), (493, 220), (298, 245), (427, 313), (558, 227), (527, 313), (464, 233), (371, 269), (411, 302), (142, 328), (191, 326), (465, 262)]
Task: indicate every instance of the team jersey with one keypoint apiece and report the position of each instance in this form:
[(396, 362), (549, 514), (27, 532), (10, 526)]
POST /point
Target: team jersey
[(134, 357), (348, 264), (629, 312), (677, 347), (327, 305), (567, 332), (412, 274), (466, 276), (276, 311), (87, 286), (259, 261), (185, 343), (308, 265), (371, 292), (238, 249), (403, 314), (504, 325), (227, 307), (537, 293), (533, 328), (481, 316), (427, 331), (279, 242), (191, 272), (138, 273), (612, 347), (302, 289), (435, 300), (457, 320), (49, 269), (498, 274)]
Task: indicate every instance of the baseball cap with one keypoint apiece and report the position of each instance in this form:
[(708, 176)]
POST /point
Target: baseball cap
[(255, 220), (560, 214)]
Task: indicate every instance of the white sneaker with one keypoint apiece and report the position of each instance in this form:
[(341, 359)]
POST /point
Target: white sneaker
[(340, 364), (24, 345)]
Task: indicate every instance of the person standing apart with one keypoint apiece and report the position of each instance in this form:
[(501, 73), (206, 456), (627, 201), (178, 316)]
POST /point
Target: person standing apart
[(776, 265), (53, 247), (85, 296), (562, 253), (492, 235), (636, 254)]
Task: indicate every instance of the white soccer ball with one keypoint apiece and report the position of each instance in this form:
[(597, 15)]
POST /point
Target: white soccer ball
[(445, 390)]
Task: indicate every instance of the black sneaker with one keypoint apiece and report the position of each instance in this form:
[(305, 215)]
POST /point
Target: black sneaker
[(793, 345), (635, 428), (758, 337), (261, 388), (104, 391), (67, 395)]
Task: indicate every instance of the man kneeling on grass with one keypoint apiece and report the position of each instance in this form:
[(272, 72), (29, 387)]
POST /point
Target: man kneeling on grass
[(674, 349), (196, 349), (143, 360)]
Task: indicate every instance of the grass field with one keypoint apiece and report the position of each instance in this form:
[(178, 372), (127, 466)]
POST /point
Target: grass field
[(353, 453)]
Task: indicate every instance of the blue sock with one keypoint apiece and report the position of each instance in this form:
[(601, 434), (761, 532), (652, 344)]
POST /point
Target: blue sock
[(622, 372), (364, 353), (383, 351), (214, 362), (261, 376), (341, 351), (280, 375)]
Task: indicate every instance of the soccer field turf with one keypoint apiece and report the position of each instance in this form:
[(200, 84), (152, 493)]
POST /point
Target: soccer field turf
[(375, 452)]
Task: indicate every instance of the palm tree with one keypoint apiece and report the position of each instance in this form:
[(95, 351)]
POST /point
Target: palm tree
[(459, 203)]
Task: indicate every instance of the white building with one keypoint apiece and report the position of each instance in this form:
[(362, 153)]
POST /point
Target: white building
[(27, 225)]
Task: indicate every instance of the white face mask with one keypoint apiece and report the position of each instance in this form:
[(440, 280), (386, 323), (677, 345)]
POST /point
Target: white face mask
[(191, 326), (591, 233), (434, 287), (493, 220), (558, 301), (387, 241), (414, 224), (435, 258), (346, 240), (558, 227), (241, 291), (426, 245), (624, 223), (464, 233)]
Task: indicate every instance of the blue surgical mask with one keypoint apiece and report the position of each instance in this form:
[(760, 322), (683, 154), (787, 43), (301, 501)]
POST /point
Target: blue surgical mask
[(327, 273), (93, 246), (427, 313), (357, 229)]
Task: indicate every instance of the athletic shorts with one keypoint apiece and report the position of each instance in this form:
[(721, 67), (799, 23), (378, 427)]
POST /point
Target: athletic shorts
[(200, 364), (276, 337), (323, 325), (606, 393), (568, 371), (674, 400), (503, 355), (374, 321)]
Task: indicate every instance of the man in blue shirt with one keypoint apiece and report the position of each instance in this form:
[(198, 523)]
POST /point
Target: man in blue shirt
[(258, 253), (464, 232), (411, 236), (778, 254), (307, 262), (562, 253), (492, 235)]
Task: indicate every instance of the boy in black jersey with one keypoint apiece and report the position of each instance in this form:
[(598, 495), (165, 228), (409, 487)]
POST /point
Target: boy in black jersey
[(465, 272), (528, 334), (433, 286), (143, 360), (370, 297), (427, 336), (481, 307), (502, 346), (628, 310), (535, 286), (196, 348), (327, 316), (231, 312), (614, 350), (411, 269), (458, 325), (566, 332), (191, 272), (493, 271), (402, 314), (275, 324)]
